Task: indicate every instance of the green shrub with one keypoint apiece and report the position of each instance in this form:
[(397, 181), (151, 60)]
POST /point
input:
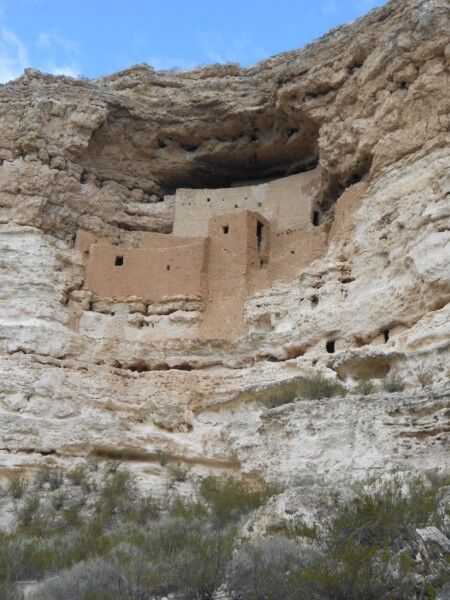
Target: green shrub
[(162, 457), (71, 516), (424, 377), (282, 393), (364, 387), (77, 475), (319, 387), (228, 497), (200, 565), (294, 528), (17, 487), (117, 495), (359, 575), (51, 475), (58, 500), (93, 464), (125, 546), (367, 551), (186, 509), (315, 387), (265, 570), (145, 509), (28, 511), (393, 383), (178, 472), (387, 517)]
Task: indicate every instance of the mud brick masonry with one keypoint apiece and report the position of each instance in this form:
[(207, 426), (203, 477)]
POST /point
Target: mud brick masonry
[(226, 245)]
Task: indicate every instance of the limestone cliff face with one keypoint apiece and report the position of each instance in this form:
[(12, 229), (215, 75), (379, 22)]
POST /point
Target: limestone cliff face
[(368, 102)]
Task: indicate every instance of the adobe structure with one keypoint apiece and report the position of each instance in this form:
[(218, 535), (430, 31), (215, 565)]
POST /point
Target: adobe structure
[(226, 245)]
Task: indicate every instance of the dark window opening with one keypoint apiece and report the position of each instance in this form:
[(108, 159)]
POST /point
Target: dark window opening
[(84, 177), (208, 199), (259, 233), (168, 268), (225, 229), (236, 206), (292, 251), (119, 261), (331, 346), (386, 335), (316, 218)]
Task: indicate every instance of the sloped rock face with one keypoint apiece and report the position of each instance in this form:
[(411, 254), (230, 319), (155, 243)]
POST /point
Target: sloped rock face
[(369, 102)]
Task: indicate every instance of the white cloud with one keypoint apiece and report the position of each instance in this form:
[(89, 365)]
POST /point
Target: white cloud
[(13, 55), (61, 54), (239, 48), (213, 48), (51, 41), (69, 70)]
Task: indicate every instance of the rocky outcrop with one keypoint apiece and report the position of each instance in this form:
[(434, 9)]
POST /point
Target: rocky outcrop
[(367, 102)]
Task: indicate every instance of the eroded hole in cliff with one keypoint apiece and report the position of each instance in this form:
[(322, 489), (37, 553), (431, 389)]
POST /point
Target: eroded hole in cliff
[(316, 218), (331, 346), (336, 183), (130, 150)]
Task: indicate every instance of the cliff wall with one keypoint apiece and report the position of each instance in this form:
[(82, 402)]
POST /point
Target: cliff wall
[(369, 104)]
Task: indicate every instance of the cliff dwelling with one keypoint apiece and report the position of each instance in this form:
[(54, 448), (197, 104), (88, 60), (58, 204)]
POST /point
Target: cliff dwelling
[(225, 320), (226, 245)]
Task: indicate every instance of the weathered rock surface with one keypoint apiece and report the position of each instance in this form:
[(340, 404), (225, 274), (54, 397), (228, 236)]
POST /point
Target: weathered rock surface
[(368, 101)]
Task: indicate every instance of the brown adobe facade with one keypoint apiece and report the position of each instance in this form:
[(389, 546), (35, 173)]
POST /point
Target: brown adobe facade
[(226, 245)]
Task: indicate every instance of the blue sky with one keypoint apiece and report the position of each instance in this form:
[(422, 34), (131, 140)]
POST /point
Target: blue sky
[(98, 37)]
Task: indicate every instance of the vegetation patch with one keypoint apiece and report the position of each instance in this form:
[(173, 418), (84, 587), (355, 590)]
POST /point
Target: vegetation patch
[(314, 387), (118, 544)]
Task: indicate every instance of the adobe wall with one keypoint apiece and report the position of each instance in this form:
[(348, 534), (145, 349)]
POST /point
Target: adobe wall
[(289, 253), (287, 203), (83, 242), (233, 252), (149, 273), (239, 253), (164, 240)]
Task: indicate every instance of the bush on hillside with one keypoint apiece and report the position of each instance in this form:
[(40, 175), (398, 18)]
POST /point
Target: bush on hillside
[(119, 544), (229, 498)]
